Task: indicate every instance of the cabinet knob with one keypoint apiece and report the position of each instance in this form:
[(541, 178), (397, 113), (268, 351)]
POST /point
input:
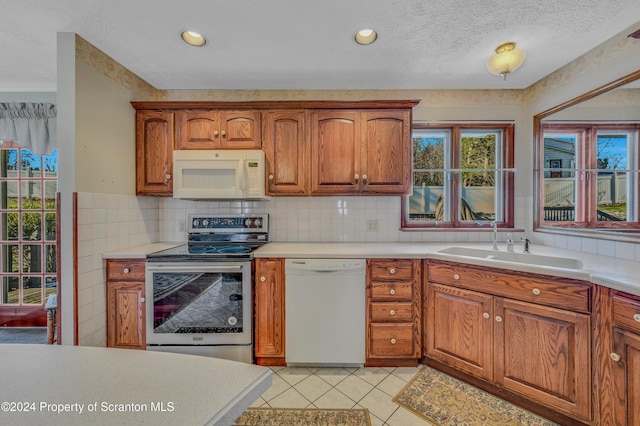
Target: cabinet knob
[(126, 270), (498, 318), (392, 312), (224, 134), (215, 133), (263, 279), (485, 315), (456, 276), (615, 357), (392, 291), (392, 271), (636, 317), (142, 300), (536, 291), (270, 177), (356, 177), (393, 341)]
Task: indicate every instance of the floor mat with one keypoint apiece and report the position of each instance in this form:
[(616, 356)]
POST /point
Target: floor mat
[(444, 401), (308, 416), (23, 335)]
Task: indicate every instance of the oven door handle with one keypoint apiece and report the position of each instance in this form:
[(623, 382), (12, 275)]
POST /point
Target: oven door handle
[(192, 268)]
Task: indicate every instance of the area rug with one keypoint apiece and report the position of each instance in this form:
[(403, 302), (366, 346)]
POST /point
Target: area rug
[(444, 401), (304, 417), (23, 335)]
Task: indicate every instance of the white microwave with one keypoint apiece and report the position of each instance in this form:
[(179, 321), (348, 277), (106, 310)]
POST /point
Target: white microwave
[(219, 174)]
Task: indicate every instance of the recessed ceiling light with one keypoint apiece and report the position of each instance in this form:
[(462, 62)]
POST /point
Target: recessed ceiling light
[(193, 38), (366, 36)]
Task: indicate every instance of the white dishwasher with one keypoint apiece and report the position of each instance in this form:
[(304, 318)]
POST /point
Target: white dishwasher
[(325, 312)]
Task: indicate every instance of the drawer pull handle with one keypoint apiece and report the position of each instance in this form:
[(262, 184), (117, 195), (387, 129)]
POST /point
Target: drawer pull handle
[(393, 341), (456, 276), (392, 291), (636, 317), (126, 270), (142, 300), (536, 291), (615, 357), (262, 279), (392, 271), (392, 312), (498, 319), (485, 315)]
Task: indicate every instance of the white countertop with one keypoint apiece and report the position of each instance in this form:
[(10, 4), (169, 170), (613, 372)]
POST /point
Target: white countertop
[(40, 381), (607, 271), (610, 272)]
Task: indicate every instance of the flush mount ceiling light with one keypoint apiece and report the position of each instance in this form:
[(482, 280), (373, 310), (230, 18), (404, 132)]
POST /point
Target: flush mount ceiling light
[(193, 38), (366, 36), (507, 59)]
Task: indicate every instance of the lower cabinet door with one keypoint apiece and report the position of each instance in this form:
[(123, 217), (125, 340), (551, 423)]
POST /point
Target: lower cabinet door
[(544, 353), (460, 329), (392, 341), (626, 347), (125, 318)]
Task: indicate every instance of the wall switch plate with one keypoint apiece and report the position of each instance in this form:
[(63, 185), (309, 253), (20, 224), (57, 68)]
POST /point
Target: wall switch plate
[(372, 225)]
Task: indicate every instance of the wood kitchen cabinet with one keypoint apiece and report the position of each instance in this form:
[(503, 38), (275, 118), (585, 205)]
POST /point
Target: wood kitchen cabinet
[(529, 335), (269, 311), (154, 152), (126, 304), (393, 312), (218, 129), (360, 152), (286, 150), (625, 357)]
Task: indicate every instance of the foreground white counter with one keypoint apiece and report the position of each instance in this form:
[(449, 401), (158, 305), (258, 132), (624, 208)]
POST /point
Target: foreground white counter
[(79, 385)]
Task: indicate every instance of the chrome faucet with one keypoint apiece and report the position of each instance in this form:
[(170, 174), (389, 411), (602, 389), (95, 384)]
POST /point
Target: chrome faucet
[(494, 224), (526, 244)]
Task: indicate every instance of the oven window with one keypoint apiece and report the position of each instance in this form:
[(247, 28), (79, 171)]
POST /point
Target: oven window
[(197, 302)]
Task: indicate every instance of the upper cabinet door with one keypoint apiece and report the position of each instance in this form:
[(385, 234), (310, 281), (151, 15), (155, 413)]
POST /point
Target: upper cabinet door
[(240, 130), (386, 152), (335, 152), (154, 152), (198, 129), (218, 129), (286, 150)]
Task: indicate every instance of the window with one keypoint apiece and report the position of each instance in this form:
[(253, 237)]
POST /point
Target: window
[(462, 176), (28, 185), (589, 175)]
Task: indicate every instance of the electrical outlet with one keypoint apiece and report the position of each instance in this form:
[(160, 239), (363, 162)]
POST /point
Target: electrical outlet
[(372, 225)]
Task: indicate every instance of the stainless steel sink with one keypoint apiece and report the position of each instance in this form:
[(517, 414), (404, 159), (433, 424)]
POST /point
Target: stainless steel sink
[(505, 256)]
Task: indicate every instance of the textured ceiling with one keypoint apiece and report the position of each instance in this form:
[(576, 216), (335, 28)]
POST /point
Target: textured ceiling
[(303, 44)]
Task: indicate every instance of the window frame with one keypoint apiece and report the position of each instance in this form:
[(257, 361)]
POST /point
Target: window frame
[(586, 173), (506, 198), (21, 242)]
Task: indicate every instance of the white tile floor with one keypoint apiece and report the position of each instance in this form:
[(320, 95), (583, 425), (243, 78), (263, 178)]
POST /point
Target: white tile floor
[(371, 388)]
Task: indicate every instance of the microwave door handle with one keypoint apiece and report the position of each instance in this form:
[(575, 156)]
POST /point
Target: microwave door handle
[(243, 171)]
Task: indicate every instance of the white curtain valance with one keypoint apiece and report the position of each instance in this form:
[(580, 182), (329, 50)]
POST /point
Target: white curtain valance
[(31, 125)]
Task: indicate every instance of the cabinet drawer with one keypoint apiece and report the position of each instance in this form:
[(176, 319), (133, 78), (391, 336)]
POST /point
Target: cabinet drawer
[(392, 269), (391, 311), (125, 270), (626, 313), (563, 293), (392, 341), (392, 290)]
